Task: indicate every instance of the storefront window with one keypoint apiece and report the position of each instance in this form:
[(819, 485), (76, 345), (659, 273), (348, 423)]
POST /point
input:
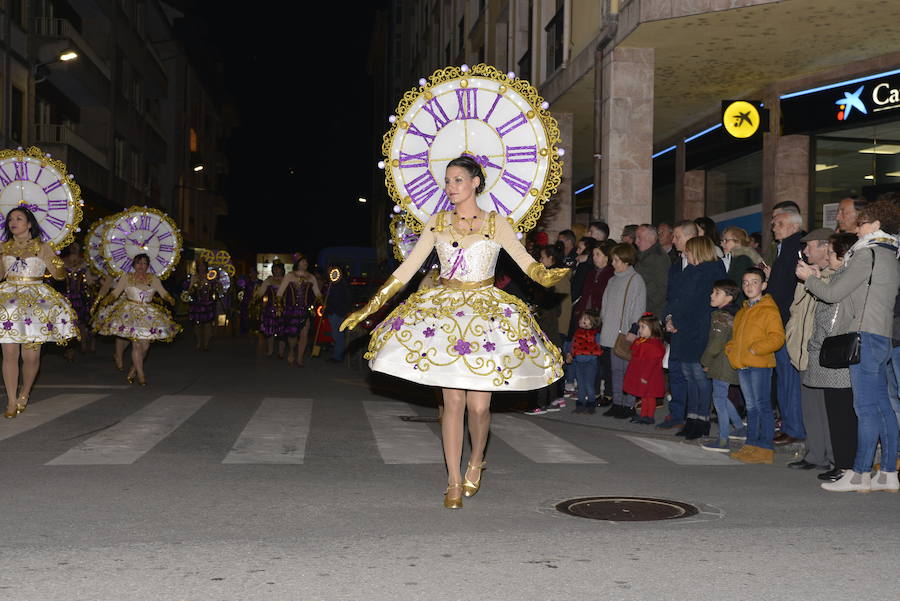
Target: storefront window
[(863, 161), (664, 187), (734, 185)]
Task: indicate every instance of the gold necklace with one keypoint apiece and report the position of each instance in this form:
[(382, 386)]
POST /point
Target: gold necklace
[(17, 249)]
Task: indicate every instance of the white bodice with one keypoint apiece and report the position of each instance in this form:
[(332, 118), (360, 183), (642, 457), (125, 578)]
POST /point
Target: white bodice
[(472, 264), (137, 295), (29, 267)]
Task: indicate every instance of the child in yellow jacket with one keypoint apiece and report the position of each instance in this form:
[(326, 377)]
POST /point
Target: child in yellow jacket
[(757, 334)]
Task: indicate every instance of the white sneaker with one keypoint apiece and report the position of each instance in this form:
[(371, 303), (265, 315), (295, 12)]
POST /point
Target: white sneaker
[(559, 403), (886, 481), (850, 481)]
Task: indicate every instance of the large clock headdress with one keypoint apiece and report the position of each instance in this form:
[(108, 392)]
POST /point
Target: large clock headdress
[(33, 179), (141, 230), (494, 117)]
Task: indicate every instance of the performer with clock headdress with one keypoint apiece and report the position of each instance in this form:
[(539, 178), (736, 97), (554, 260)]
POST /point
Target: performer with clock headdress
[(204, 292), (41, 207), (104, 304), (142, 246), (486, 136)]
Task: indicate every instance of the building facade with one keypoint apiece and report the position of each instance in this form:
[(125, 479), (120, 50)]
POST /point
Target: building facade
[(129, 116), (638, 87)]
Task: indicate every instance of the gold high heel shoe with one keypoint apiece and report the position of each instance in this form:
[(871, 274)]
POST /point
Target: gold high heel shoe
[(142, 381), (130, 377), (21, 403), (11, 414), (469, 487), (453, 502)]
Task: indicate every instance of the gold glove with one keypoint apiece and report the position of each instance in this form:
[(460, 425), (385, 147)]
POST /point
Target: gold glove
[(546, 277), (391, 287)]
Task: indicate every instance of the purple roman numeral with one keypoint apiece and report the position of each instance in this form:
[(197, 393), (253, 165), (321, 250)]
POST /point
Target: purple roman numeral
[(516, 183), (54, 204), (145, 222), (491, 111), (158, 223), (125, 265), (166, 235), (56, 222), (521, 154), (21, 170), (512, 124), (166, 248), (434, 108), (443, 204), (5, 179), (499, 205), (161, 261), (52, 187), (118, 254), (468, 103), (39, 174), (413, 160), (422, 188), (429, 139)]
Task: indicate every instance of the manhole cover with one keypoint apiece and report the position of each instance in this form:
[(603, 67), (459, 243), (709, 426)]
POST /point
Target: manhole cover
[(418, 418), (626, 509)]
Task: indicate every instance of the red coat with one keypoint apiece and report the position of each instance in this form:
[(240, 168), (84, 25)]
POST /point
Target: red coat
[(644, 376), (584, 343)]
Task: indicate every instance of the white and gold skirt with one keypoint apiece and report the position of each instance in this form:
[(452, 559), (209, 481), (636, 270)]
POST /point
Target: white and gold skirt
[(33, 312), (479, 338), (136, 321)]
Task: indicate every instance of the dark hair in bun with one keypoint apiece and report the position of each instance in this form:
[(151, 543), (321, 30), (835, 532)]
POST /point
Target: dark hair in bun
[(474, 169)]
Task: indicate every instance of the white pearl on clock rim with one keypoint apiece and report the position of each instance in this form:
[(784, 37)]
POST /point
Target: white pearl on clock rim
[(520, 235), (392, 119), (381, 164), (561, 151), (397, 209), (511, 75), (464, 68), (545, 105), (423, 82)]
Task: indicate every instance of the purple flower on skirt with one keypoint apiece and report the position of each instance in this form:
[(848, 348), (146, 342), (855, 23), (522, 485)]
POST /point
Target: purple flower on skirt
[(460, 314), (42, 301), (64, 322), (462, 347), (12, 301), (489, 346), (523, 344), (7, 325), (532, 340), (508, 312), (49, 326), (27, 321), (121, 328), (153, 330), (428, 332), (397, 323)]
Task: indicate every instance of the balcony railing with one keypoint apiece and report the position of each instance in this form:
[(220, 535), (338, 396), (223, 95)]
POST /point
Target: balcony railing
[(43, 133), (60, 28)]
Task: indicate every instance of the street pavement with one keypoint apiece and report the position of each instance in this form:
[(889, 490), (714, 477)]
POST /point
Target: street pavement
[(236, 477)]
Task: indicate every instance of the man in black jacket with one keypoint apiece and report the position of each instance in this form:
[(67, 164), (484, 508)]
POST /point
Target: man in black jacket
[(787, 227)]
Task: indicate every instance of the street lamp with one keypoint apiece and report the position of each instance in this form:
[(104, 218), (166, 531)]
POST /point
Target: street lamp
[(362, 200), (42, 70), (198, 168)]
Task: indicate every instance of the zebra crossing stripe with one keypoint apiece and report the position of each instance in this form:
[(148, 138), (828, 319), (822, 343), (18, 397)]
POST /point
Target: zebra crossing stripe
[(680, 453), (128, 440), (401, 441), (536, 443), (276, 433), (41, 412)]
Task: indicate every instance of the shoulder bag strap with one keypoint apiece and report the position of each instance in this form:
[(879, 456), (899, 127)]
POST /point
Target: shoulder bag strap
[(868, 287), (625, 300)]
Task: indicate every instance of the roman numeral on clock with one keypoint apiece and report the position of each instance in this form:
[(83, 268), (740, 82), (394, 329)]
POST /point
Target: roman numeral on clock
[(429, 139), (521, 154), (21, 170), (422, 188), (161, 260), (164, 236), (512, 124), (413, 160), (55, 221), (468, 103), (443, 204), (166, 248), (499, 205), (516, 183), (51, 187), (118, 254), (5, 179), (55, 204), (145, 222), (434, 108)]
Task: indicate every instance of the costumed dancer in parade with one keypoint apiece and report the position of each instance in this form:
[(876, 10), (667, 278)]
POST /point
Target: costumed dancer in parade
[(271, 324), (465, 335), (247, 294), (294, 290), (103, 306), (81, 290), (138, 319), (31, 312), (204, 293)]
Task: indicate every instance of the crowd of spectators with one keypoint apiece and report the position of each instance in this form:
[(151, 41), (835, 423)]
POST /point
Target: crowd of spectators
[(741, 328)]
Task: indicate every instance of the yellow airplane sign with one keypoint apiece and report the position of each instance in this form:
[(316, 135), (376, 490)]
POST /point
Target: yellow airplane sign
[(741, 119)]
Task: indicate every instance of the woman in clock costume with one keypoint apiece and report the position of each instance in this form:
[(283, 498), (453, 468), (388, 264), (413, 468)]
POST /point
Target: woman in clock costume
[(138, 319), (202, 311), (271, 324), (465, 335), (31, 312), (294, 291), (81, 290), (103, 306)]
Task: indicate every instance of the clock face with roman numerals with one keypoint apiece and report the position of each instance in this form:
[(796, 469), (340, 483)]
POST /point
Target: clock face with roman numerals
[(140, 230), (93, 242), (482, 113), (35, 181)]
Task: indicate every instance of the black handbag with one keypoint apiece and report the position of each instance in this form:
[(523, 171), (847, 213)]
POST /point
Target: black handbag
[(842, 351)]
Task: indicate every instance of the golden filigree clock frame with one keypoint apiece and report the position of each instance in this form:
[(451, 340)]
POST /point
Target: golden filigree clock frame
[(179, 242), (523, 87)]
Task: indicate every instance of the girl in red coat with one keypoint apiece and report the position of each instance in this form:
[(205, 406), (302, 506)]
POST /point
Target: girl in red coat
[(644, 375)]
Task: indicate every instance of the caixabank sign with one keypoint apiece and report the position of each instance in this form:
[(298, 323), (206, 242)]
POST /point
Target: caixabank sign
[(846, 104)]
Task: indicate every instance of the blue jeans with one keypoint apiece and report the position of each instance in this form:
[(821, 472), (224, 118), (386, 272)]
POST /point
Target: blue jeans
[(586, 377), (678, 390), (894, 383), (568, 368), (788, 390), (699, 391), (334, 320), (872, 405), (756, 384), (725, 409)]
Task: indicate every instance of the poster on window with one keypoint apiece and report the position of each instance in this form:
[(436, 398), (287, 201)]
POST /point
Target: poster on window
[(829, 215)]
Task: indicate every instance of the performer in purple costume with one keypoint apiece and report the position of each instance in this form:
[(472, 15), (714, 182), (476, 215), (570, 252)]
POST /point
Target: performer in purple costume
[(81, 290), (294, 289), (271, 323), (202, 311)]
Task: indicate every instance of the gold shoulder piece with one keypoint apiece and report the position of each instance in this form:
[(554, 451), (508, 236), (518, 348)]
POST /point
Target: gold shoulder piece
[(441, 221), (492, 224)]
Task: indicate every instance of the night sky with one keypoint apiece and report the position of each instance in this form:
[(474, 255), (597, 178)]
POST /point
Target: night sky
[(302, 153)]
